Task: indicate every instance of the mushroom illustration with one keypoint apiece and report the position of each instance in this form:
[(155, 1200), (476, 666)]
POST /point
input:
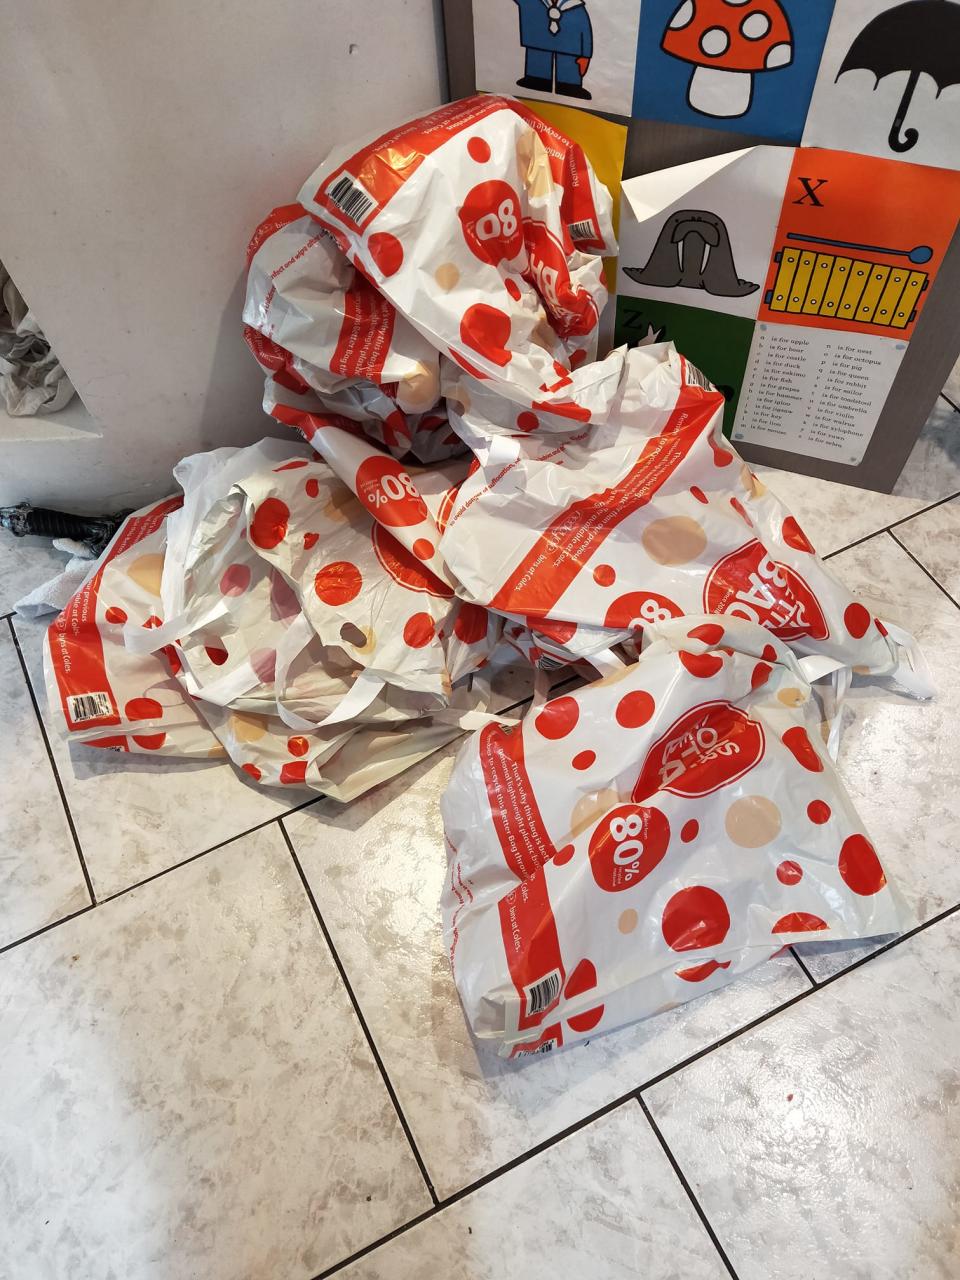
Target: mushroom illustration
[(728, 41)]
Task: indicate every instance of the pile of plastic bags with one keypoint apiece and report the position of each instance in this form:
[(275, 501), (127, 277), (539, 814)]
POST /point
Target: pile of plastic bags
[(476, 479)]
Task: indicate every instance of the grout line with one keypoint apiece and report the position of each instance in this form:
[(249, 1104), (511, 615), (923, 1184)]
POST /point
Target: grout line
[(888, 528), (359, 1012), (796, 955), (28, 937), (923, 567), (382, 1240), (950, 402), (53, 764), (687, 1188)]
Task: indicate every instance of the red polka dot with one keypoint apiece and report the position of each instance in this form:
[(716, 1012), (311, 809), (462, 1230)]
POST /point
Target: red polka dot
[(856, 619), (298, 746), (312, 488), (172, 657), (143, 709), (512, 288), (563, 856), (527, 421), (292, 466), (253, 771), (555, 629), (216, 653), (114, 614), (698, 972), (478, 149), (235, 580), (486, 330), (583, 978), (794, 536), (789, 872), (310, 540), (860, 867), (710, 633), (338, 583), (880, 627), (721, 457), (583, 1022), (386, 251), (635, 709), (769, 653), (577, 358), (799, 922), (558, 718), (701, 664), (423, 549), (604, 575), (690, 830), (818, 811), (418, 630), (150, 741), (760, 675), (797, 741), (264, 663), (739, 509), (583, 759), (564, 409), (695, 917), (470, 624), (699, 494), (294, 771), (153, 621), (268, 528)]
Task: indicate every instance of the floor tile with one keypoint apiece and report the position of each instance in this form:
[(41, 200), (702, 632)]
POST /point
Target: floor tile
[(934, 538), (40, 875), (136, 815), (604, 1202), (25, 563), (900, 758), (185, 1090), (824, 1142), (377, 869), (835, 515)]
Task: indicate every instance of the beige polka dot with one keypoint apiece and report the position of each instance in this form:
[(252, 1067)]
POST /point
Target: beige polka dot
[(146, 571), (542, 334), (616, 676), (216, 751), (792, 697), (674, 540), (246, 726), (759, 488), (447, 276), (533, 163), (861, 670), (360, 639), (420, 390), (628, 920), (590, 808), (752, 821), (342, 505)]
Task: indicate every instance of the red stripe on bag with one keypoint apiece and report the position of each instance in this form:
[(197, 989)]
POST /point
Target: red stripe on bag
[(531, 945), (574, 536), (365, 334), (76, 647), (513, 805)]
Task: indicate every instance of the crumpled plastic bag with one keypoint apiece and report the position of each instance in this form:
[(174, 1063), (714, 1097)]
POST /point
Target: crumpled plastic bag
[(32, 379), (648, 837)]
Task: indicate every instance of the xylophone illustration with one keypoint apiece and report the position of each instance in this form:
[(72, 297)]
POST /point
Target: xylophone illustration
[(813, 283)]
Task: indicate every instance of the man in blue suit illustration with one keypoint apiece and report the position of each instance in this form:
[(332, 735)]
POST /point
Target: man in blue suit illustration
[(558, 40)]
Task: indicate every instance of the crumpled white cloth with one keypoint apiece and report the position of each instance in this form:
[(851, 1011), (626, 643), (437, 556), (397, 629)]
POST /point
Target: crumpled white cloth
[(32, 379), (52, 596)]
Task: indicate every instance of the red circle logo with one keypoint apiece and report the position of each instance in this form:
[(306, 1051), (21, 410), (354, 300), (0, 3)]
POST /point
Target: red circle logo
[(708, 747), (626, 845), (388, 493), (491, 222), (749, 584), (404, 567)]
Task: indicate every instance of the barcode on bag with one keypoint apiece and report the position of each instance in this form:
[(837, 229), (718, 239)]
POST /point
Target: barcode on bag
[(541, 995), (548, 1046), (696, 377), (89, 706), (350, 198), (582, 230)]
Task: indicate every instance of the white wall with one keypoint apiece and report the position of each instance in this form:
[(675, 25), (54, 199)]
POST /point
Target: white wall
[(143, 141)]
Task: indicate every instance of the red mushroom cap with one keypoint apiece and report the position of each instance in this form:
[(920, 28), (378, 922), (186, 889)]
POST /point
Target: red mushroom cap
[(733, 35)]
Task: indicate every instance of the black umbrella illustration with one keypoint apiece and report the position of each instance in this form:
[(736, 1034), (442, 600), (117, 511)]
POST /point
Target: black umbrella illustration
[(918, 36)]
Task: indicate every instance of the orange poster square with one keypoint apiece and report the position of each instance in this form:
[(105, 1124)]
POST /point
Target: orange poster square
[(859, 242)]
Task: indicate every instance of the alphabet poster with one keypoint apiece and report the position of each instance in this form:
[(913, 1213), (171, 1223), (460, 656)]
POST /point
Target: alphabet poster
[(889, 81), (745, 65), (578, 52), (816, 265)]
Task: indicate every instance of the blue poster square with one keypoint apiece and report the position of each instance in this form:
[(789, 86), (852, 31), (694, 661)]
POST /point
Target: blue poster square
[(742, 65)]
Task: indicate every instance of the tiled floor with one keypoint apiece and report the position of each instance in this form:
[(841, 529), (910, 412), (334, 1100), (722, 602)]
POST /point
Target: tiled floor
[(232, 1049)]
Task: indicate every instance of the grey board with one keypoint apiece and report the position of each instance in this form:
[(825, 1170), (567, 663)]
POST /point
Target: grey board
[(934, 344)]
